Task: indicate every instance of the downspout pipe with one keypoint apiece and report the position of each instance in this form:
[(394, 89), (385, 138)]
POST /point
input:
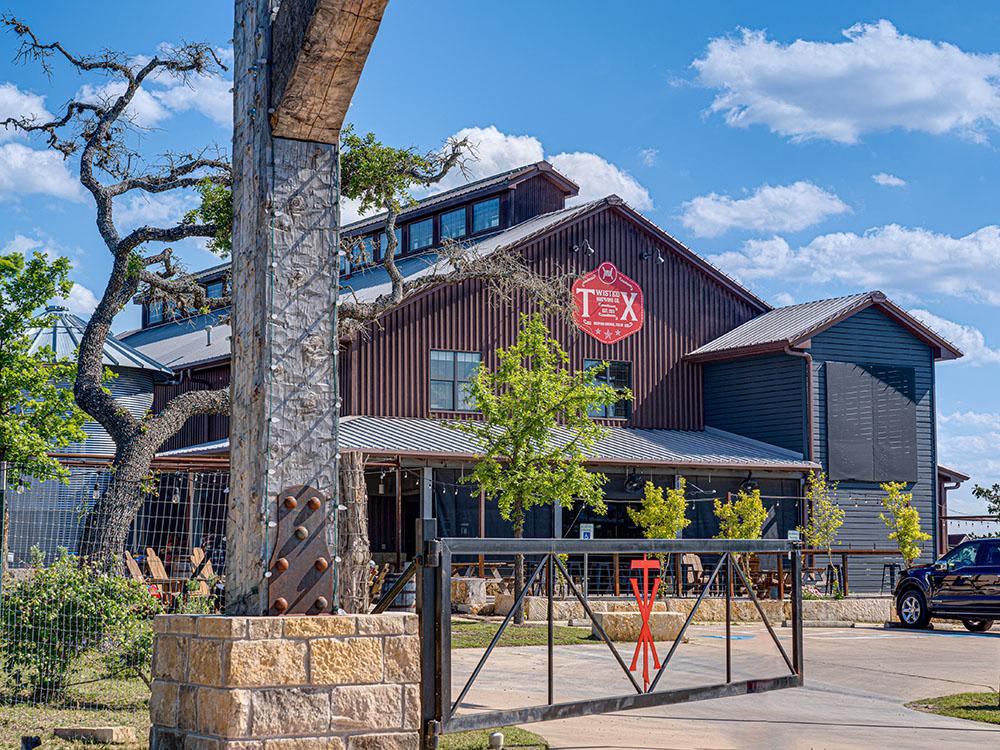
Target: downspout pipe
[(807, 357)]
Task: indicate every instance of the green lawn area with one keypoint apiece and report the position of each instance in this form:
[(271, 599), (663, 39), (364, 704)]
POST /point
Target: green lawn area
[(467, 634), (973, 706), (512, 737)]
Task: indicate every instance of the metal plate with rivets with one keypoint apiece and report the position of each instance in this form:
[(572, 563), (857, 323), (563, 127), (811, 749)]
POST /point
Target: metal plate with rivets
[(301, 580)]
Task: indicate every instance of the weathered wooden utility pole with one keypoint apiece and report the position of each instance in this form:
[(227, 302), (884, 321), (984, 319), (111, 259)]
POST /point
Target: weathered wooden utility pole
[(296, 68)]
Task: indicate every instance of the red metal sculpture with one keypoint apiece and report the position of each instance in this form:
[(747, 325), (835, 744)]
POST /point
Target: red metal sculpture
[(645, 600)]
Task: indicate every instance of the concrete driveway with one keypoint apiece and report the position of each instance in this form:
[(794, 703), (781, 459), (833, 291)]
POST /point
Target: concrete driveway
[(857, 682)]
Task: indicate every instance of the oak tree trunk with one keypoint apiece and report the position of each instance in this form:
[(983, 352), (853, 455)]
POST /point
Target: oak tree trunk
[(518, 563), (352, 532)]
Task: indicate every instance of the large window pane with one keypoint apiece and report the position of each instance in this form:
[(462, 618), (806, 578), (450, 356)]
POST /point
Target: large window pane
[(450, 375), (442, 395), (486, 215), (213, 289), (154, 313), (442, 365), (421, 234), (453, 224), (619, 376)]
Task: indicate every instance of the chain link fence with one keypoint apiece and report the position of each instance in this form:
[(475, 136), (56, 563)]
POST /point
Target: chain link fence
[(75, 633)]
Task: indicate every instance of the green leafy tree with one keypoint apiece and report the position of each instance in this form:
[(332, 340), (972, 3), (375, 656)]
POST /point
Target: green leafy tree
[(536, 429), (903, 521), (991, 496), (825, 516), (742, 517), (37, 412), (662, 515)]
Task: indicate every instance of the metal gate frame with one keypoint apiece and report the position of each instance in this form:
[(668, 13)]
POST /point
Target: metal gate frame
[(434, 569)]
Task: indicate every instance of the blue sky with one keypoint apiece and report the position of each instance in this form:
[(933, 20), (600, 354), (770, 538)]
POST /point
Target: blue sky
[(810, 150)]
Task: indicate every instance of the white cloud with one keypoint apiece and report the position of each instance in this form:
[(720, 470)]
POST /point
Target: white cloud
[(877, 79), (25, 171), (970, 340), (888, 180), (157, 210), (350, 210), (978, 419), (598, 177), (649, 156), (145, 110), (780, 208), (81, 301), (895, 258), (209, 95), (17, 103), (784, 299), (497, 151)]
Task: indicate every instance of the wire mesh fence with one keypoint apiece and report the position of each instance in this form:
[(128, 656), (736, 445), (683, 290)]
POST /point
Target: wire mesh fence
[(77, 596)]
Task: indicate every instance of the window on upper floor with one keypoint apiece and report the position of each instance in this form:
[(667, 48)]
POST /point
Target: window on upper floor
[(421, 234), (345, 264), (154, 313), (619, 376), (450, 374), (453, 224), (871, 414), (383, 243), (485, 215), (215, 289)]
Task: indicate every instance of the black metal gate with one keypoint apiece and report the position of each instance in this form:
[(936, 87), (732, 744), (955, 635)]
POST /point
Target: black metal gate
[(434, 571)]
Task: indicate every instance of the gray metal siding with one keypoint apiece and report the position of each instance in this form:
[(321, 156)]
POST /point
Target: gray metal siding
[(872, 338), (133, 389), (763, 398)]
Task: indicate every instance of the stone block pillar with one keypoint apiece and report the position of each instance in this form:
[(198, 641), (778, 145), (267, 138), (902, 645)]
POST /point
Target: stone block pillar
[(286, 683)]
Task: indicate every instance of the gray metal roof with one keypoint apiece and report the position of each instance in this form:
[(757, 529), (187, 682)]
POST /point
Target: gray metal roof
[(511, 175), (623, 446), (65, 332), (705, 448), (792, 325), (190, 348)]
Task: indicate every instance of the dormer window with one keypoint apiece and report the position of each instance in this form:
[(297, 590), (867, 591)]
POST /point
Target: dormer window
[(485, 215), (453, 224), (154, 313), (214, 289), (421, 234), (384, 243)]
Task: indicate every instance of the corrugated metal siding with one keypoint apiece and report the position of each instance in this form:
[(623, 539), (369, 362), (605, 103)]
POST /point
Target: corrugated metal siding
[(133, 389), (761, 397), (203, 428), (385, 372), (535, 196), (870, 337)]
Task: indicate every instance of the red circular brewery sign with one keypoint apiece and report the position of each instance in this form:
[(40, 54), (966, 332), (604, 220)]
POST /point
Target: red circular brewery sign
[(607, 304)]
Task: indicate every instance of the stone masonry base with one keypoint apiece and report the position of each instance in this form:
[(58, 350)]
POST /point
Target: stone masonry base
[(285, 683)]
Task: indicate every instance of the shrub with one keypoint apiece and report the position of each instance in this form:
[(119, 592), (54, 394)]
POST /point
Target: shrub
[(64, 610)]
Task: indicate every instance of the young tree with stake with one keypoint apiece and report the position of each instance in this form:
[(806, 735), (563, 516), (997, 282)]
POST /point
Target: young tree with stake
[(536, 430)]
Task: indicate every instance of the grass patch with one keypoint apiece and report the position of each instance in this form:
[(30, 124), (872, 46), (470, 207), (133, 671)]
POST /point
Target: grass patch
[(29, 720), (479, 739), (465, 634), (972, 706)]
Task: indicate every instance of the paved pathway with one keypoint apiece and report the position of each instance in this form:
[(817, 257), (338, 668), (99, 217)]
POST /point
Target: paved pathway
[(857, 682)]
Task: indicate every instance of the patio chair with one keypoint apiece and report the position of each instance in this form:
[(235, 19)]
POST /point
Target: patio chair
[(170, 587), (694, 573), (203, 572)]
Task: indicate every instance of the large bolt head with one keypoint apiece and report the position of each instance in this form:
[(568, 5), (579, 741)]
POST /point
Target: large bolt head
[(321, 564), (301, 532), (313, 503), (281, 565), (291, 503), (322, 603), (281, 604)]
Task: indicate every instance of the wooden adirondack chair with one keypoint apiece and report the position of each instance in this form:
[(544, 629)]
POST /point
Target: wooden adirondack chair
[(170, 587), (206, 577), (136, 572)]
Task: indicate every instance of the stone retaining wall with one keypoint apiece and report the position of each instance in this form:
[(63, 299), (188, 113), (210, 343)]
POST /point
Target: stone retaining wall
[(850, 609), (286, 683)]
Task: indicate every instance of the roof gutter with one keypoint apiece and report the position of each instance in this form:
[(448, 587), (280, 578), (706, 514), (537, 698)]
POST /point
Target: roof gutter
[(807, 358)]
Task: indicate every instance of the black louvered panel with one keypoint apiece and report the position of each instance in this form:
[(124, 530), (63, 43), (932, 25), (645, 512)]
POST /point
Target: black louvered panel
[(895, 419), (849, 406)]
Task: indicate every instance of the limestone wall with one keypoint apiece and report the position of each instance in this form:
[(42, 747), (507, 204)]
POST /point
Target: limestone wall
[(286, 683)]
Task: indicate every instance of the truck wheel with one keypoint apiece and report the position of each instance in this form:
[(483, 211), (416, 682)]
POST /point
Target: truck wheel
[(978, 626), (912, 609)]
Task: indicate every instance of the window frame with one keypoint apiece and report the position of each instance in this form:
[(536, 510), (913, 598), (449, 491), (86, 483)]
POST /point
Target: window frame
[(464, 210), (221, 285), (455, 382), (626, 405), (472, 215), (409, 240)]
